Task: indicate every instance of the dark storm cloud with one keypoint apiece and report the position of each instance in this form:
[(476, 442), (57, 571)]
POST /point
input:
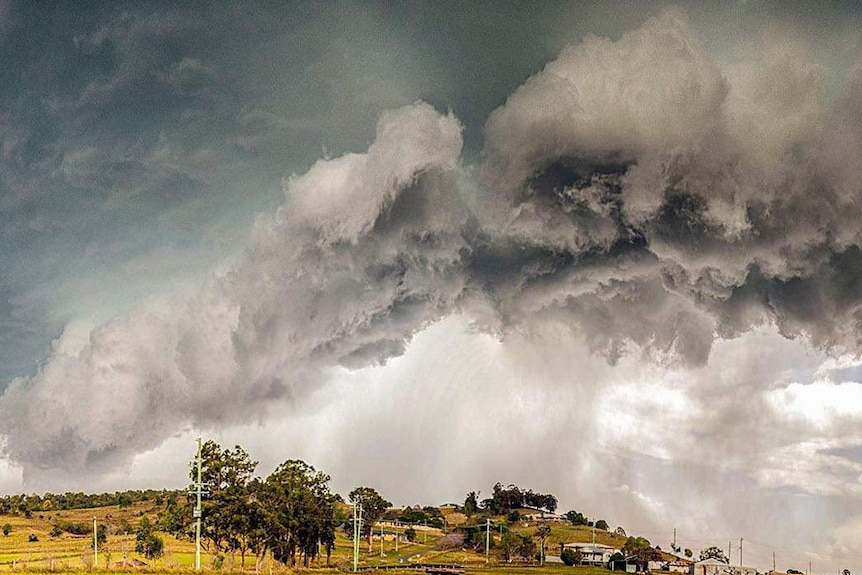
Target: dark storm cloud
[(633, 193)]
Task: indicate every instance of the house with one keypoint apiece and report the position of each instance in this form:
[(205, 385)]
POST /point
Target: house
[(542, 516), (716, 567), (592, 553), (680, 566), (628, 564), (675, 566)]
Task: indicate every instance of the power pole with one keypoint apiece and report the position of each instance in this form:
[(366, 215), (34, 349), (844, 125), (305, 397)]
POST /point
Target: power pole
[(487, 538), (729, 551), (424, 532), (740, 551), (674, 540), (381, 539), (198, 513), (773, 561), (396, 536), (95, 544), (357, 530)]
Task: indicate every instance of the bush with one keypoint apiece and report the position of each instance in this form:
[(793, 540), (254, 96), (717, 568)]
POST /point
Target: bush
[(151, 547), (33, 538), (410, 534), (7, 529), (56, 531), (570, 557)]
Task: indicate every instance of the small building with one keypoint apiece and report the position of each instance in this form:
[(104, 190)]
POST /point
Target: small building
[(537, 515), (627, 565), (716, 567), (592, 553), (680, 566)]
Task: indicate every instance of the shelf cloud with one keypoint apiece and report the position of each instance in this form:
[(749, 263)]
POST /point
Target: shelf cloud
[(637, 194)]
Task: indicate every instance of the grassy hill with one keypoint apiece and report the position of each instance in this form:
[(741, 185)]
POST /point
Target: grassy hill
[(70, 552)]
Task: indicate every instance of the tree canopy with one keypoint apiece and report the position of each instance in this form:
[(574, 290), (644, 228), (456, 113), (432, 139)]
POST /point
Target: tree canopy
[(290, 514), (713, 553), (373, 507)]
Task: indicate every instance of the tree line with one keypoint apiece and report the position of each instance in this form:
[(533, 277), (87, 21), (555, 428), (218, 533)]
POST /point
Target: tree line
[(504, 500), (291, 514), (25, 504)]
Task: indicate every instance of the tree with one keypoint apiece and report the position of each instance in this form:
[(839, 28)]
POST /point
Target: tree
[(7, 529), (688, 553), (641, 549), (226, 474), (147, 542), (620, 531), (509, 543), (471, 503), (298, 514), (541, 533), (713, 553), (101, 535), (410, 534), (373, 506), (527, 548), (571, 557), (602, 524), (576, 518)]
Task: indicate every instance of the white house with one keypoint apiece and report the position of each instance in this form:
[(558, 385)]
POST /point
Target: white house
[(716, 567), (680, 566), (592, 553), (538, 515)]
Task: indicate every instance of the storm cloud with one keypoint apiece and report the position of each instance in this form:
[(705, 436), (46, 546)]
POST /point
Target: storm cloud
[(632, 192)]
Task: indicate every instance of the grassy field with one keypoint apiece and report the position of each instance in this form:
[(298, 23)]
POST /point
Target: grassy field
[(74, 553)]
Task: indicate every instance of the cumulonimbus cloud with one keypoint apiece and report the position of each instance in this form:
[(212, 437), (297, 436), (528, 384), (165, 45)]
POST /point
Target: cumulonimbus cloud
[(634, 192)]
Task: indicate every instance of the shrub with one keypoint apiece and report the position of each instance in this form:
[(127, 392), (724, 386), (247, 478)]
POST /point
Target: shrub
[(570, 557), (33, 538)]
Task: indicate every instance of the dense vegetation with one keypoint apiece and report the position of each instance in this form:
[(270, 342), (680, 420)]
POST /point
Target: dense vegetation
[(290, 514), (28, 504)]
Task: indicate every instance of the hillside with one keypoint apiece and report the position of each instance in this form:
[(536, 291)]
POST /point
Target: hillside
[(70, 551)]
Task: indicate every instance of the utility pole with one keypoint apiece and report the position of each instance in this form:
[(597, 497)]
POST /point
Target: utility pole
[(357, 530), (424, 532), (740, 551), (396, 536), (197, 513), (487, 538), (95, 544), (381, 539), (674, 540), (729, 551), (773, 561)]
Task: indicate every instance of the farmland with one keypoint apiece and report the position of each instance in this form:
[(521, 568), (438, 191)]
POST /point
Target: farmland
[(68, 552)]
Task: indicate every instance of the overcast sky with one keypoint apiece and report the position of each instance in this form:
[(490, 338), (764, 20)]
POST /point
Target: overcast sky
[(607, 250)]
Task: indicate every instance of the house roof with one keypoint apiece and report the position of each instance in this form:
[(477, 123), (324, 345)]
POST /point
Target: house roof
[(592, 546)]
